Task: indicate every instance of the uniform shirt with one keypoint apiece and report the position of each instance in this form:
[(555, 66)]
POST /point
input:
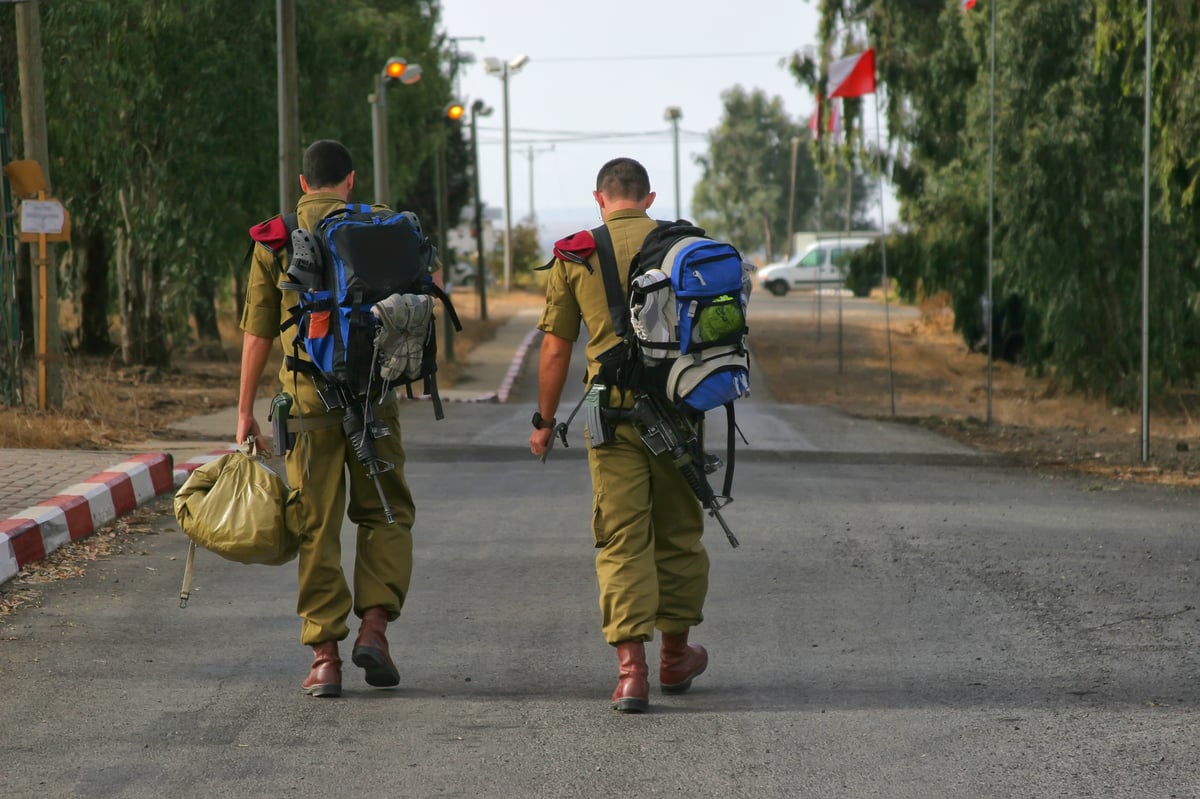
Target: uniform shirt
[(268, 306), (575, 295)]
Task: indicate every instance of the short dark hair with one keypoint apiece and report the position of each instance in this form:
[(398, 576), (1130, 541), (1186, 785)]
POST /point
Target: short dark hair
[(326, 164), (623, 178)]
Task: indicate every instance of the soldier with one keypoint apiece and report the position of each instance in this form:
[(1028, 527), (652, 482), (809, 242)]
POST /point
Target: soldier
[(646, 522), (317, 465)]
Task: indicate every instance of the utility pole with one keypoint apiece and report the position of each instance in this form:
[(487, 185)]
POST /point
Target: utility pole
[(673, 114), (289, 106), (33, 128), (531, 154), (792, 199), (478, 109)]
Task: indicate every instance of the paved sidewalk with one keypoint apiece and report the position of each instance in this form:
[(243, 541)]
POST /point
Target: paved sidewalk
[(50, 497)]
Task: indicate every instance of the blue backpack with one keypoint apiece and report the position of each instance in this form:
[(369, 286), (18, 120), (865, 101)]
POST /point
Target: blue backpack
[(682, 324), (356, 258), (683, 319)]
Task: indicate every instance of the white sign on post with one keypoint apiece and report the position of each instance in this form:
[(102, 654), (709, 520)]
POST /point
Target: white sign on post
[(42, 216)]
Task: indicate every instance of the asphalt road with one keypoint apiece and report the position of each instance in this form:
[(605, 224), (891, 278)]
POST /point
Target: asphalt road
[(904, 618)]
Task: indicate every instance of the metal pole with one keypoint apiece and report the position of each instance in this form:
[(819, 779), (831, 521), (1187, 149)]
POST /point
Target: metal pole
[(507, 189), (383, 187), (887, 318), (442, 215), (376, 142), (792, 200), (289, 117), (991, 208), (1146, 243), (480, 278), (678, 192), (532, 212)]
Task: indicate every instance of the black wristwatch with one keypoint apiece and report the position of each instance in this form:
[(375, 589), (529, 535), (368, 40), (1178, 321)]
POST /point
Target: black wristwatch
[(541, 424)]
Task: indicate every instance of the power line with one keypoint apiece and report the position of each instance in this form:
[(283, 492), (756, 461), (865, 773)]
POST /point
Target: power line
[(661, 57), (569, 136)]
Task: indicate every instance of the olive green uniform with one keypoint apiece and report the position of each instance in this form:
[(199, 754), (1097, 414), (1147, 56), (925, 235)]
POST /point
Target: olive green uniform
[(318, 465), (646, 522)]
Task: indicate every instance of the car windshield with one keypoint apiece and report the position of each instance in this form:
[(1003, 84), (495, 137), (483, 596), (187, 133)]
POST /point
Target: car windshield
[(814, 258)]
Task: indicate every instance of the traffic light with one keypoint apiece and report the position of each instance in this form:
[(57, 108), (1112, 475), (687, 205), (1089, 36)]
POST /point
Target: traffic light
[(394, 69), (454, 111)]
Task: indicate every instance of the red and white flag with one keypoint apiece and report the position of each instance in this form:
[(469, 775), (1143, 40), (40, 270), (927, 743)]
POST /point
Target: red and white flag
[(814, 122), (853, 76), (967, 5), (835, 121)]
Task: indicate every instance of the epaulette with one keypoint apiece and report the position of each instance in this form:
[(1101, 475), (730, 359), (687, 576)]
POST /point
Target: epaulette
[(272, 233), (574, 248)]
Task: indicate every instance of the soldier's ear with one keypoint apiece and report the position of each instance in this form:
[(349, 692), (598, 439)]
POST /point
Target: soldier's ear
[(650, 199)]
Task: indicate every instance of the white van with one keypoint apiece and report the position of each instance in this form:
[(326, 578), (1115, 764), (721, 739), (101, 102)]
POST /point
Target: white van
[(821, 265)]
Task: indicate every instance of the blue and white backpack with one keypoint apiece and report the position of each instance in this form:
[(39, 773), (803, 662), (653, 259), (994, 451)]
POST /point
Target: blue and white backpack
[(682, 322)]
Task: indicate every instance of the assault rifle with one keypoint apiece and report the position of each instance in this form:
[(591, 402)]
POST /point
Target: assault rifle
[(362, 429), (666, 429)]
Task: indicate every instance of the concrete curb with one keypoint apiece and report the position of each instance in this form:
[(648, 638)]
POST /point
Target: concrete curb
[(81, 509)]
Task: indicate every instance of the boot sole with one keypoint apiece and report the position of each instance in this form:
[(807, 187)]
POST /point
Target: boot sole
[(379, 675), (323, 691), (630, 704), (680, 687)]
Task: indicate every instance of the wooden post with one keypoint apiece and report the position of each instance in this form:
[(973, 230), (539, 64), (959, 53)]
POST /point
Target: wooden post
[(33, 126), (43, 306)]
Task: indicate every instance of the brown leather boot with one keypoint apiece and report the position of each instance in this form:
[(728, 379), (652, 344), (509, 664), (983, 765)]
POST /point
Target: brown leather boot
[(633, 685), (371, 650), (325, 678), (679, 663)]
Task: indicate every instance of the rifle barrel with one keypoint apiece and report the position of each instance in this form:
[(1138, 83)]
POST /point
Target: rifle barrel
[(716, 514)]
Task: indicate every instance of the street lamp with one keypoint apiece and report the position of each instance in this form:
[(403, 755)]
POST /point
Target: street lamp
[(478, 109), (673, 114), (396, 69), (494, 66)]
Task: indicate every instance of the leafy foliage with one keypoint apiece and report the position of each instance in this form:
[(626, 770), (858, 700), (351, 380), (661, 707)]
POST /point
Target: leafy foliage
[(1067, 172), (743, 193), (165, 148)]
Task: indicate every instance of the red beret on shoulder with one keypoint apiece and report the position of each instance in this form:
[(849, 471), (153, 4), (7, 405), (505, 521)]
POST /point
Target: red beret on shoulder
[(271, 233), (575, 247)]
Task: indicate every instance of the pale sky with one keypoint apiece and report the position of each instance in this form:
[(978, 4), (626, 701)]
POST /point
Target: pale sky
[(600, 77)]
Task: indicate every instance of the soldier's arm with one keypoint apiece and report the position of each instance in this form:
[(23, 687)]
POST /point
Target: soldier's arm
[(553, 365), (255, 351)]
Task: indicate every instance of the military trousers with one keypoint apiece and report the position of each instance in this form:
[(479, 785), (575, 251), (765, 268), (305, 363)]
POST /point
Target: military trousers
[(334, 486), (647, 524)]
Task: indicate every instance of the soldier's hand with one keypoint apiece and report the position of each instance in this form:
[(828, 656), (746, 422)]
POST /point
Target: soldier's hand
[(247, 426), (541, 441)]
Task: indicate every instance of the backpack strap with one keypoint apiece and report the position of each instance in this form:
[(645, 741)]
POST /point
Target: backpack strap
[(618, 303)]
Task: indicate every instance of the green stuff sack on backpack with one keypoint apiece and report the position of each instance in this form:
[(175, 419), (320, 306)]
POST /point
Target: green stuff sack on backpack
[(241, 510)]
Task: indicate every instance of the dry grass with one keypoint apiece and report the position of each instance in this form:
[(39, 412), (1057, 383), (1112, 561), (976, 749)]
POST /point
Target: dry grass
[(939, 384)]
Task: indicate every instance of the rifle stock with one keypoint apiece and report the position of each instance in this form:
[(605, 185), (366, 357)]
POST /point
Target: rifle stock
[(665, 430)]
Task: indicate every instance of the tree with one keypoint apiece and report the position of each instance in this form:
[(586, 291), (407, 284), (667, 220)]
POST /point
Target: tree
[(743, 193), (165, 148), (1068, 171)]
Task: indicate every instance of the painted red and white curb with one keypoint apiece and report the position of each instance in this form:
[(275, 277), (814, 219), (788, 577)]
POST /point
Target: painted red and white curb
[(185, 469), (514, 368), (81, 509)]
